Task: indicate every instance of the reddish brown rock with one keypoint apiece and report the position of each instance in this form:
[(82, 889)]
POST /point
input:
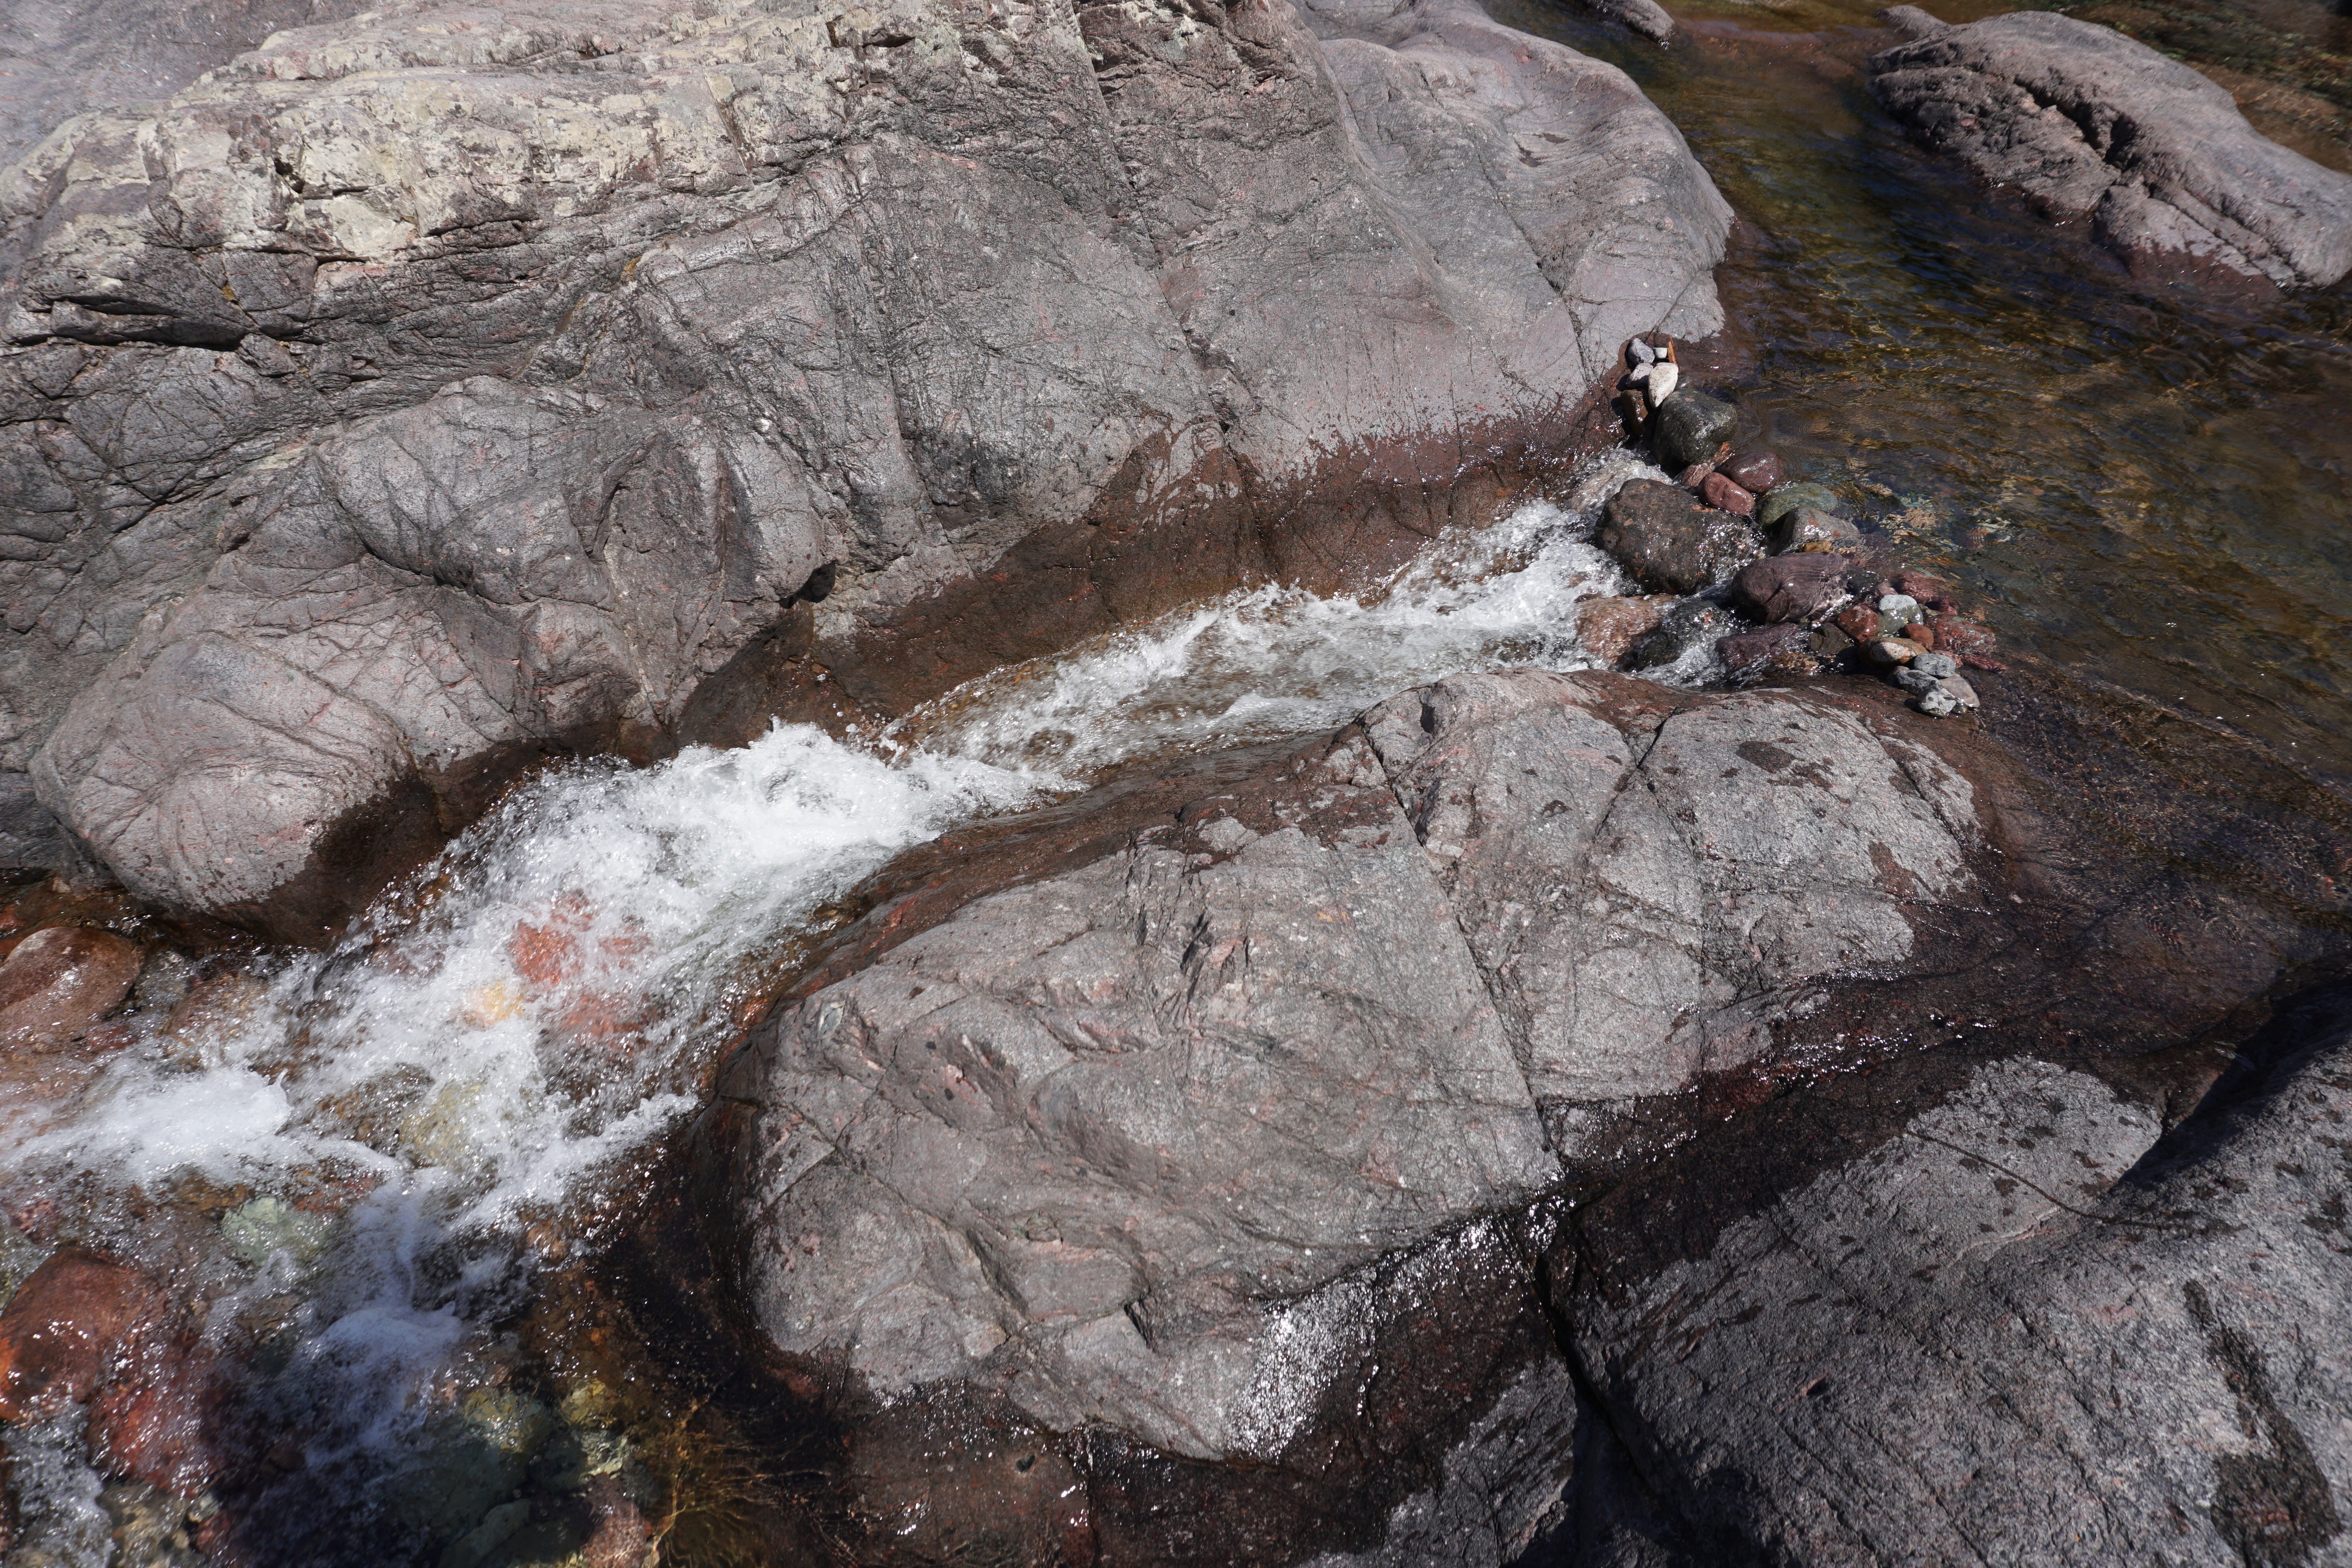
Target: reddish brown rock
[(152, 1421), (1610, 627), (1791, 588), (1757, 471), (1726, 496), (1921, 634), (60, 981), (66, 1324), (1782, 649), (1931, 591), (1964, 639), (1859, 622)]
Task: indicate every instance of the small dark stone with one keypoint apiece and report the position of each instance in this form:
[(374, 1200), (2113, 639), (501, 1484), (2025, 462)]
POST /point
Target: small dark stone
[(1681, 628), (1669, 542), (1830, 641), (1689, 428), (1791, 587), (1758, 470), (1785, 650), (1810, 528), (1863, 583)]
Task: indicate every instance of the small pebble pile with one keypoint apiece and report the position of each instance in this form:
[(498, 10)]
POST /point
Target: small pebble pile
[(1771, 572)]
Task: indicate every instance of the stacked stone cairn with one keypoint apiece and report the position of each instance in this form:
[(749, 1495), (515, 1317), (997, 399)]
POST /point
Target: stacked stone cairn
[(1769, 572)]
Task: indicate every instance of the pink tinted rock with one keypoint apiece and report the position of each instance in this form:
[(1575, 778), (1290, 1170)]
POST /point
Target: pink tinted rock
[(1610, 627), (1725, 495), (1757, 471), (60, 981)]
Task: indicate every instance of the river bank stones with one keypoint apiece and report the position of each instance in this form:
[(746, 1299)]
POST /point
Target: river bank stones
[(1668, 540)]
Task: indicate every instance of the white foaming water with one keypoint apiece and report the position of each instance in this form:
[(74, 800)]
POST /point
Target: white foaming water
[(456, 1079)]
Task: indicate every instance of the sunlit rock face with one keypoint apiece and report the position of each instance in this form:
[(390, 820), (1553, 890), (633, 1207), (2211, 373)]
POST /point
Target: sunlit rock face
[(1116, 1137), (422, 393)]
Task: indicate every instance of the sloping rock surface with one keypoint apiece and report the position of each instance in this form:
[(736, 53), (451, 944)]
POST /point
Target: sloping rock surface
[(2086, 122), (422, 393), (2021, 1329), (1116, 1138)]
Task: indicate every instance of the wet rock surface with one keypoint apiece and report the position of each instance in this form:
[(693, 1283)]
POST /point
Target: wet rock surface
[(2086, 122), (57, 982), (1671, 541), (274, 419), (1059, 1141)]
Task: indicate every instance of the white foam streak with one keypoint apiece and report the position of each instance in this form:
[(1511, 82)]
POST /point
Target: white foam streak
[(534, 1012)]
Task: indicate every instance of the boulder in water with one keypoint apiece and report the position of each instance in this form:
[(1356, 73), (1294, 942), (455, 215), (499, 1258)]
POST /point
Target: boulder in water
[(2018, 1324), (1667, 539), (1690, 427), (2086, 122), (542, 443), (1121, 1139), (1786, 649)]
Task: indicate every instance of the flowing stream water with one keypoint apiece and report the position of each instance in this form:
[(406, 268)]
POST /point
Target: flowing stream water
[(396, 1138), (409, 1126)]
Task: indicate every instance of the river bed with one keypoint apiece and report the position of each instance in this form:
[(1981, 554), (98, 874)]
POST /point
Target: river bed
[(397, 1146)]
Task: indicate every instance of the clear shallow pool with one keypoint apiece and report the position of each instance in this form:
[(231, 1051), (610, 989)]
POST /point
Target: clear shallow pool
[(2148, 487)]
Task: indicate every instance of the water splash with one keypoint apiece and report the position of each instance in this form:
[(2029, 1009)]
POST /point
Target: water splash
[(428, 1107)]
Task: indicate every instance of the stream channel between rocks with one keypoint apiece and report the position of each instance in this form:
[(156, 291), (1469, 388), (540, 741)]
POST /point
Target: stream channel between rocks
[(437, 1161)]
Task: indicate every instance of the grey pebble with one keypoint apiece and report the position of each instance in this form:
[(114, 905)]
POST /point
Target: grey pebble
[(1936, 664)]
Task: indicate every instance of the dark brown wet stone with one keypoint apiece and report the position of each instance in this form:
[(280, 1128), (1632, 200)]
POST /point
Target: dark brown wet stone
[(1757, 471), (60, 981), (1793, 587), (1669, 542)]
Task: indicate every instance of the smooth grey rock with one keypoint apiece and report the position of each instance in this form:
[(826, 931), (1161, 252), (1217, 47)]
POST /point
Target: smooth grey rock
[(2086, 123), (1936, 664), (1911, 21), (681, 315), (1784, 499), (1913, 679), (1812, 526), (1647, 17), (1115, 1138), (1901, 604), (1956, 687), (1689, 428), (1936, 702), (2021, 1329)]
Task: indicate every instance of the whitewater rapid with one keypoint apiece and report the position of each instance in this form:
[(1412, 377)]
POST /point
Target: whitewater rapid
[(528, 1017)]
